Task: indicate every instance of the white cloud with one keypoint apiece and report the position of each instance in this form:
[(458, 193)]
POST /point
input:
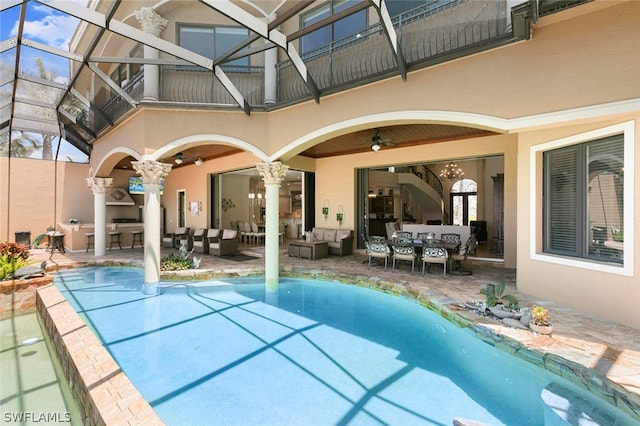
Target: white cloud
[(53, 30)]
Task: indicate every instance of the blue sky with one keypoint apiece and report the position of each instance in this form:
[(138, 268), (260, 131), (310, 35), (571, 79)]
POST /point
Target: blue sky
[(50, 27)]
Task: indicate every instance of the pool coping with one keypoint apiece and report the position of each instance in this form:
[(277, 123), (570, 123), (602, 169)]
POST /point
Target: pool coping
[(102, 391), (110, 396)]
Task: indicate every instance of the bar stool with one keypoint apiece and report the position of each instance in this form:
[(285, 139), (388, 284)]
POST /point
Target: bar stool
[(115, 238), (136, 236), (90, 236)]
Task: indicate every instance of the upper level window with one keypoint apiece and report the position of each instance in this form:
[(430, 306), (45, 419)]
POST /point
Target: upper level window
[(213, 42), (583, 202), (337, 30), (125, 72)]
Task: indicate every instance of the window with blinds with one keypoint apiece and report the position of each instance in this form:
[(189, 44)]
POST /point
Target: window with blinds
[(583, 200)]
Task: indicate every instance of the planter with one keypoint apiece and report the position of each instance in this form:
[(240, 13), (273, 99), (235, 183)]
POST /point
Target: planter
[(541, 329), (502, 313)]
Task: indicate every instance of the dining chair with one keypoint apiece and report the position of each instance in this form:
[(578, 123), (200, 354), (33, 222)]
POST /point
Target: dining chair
[(463, 253), (426, 235), (377, 250), (450, 238), (257, 234), (377, 239), (403, 234), (403, 249), (435, 254), (246, 234)]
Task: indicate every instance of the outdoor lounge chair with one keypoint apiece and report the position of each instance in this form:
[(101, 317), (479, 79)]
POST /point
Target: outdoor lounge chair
[(183, 236), (173, 239), (227, 244), (213, 236), (200, 243)]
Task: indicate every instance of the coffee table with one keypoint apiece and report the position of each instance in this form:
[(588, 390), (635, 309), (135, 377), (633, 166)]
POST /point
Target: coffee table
[(311, 250)]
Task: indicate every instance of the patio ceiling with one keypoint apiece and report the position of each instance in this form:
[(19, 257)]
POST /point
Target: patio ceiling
[(39, 73)]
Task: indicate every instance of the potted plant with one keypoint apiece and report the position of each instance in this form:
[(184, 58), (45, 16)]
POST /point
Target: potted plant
[(499, 302), (540, 320)]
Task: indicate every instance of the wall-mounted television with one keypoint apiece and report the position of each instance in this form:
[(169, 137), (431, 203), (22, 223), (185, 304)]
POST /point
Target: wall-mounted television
[(137, 187)]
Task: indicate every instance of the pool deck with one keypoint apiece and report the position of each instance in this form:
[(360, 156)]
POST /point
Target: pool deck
[(601, 355)]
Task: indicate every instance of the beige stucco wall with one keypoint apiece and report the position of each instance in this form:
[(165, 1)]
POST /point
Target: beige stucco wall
[(535, 91), (604, 294), (30, 196), (480, 91)]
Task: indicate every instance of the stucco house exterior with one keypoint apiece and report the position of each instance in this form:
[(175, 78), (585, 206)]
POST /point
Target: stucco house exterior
[(538, 103)]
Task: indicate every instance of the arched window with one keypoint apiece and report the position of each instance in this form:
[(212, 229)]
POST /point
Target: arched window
[(464, 202)]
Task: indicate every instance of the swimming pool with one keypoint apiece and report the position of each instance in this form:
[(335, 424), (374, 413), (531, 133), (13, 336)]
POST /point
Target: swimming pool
[(316, 352)]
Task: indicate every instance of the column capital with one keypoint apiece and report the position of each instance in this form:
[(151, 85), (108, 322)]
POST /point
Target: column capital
[(150, 21), (272, 173), (151, 171), (99, 185)]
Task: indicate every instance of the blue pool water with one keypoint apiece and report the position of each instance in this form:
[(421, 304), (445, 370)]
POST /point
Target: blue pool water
[(315, 353)]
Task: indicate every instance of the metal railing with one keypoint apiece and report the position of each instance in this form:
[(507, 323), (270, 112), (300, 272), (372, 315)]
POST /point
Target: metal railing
[(428, 34)]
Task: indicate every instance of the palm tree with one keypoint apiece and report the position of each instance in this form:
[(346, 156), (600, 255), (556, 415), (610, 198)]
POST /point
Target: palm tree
[(24, 145), (47, 149)]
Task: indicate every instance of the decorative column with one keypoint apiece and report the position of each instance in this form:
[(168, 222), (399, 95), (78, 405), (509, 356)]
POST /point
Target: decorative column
[(272, 174), (99, 187), (270, 75), (154, 24), (152, 173)]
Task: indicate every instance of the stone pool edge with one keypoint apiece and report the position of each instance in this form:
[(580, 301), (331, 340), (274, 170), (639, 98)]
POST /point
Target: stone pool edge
[(103, 393), (520, 343)]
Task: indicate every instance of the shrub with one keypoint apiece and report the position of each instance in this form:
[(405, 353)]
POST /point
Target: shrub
[(496, 295), (13, 256), (175, 263)]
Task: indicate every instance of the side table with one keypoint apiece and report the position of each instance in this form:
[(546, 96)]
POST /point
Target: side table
[(310, 250)]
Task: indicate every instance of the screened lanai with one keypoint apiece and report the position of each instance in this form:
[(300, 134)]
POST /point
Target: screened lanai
[(63, 84)]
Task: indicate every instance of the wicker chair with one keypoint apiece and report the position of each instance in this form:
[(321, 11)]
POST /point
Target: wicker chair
[(174, 239), (226, 245), (200, 244)]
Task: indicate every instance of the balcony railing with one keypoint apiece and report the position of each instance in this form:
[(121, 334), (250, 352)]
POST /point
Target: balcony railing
[(427, 35)]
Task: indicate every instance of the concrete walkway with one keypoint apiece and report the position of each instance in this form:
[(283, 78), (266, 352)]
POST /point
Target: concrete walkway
[(596, 353)]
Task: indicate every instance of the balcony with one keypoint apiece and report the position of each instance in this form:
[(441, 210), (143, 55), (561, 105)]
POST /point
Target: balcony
[(427, 36)]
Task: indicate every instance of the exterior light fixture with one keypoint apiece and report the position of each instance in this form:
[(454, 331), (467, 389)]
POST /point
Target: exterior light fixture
[(375, 147), (180, 158)]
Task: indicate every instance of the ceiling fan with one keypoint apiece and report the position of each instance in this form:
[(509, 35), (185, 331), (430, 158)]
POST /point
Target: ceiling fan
[(377, 142)]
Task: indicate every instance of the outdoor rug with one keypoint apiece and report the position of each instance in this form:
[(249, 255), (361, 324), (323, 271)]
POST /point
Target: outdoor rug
[(240, 258)]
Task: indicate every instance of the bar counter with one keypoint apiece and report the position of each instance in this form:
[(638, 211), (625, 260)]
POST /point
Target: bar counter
[(75, 238)]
